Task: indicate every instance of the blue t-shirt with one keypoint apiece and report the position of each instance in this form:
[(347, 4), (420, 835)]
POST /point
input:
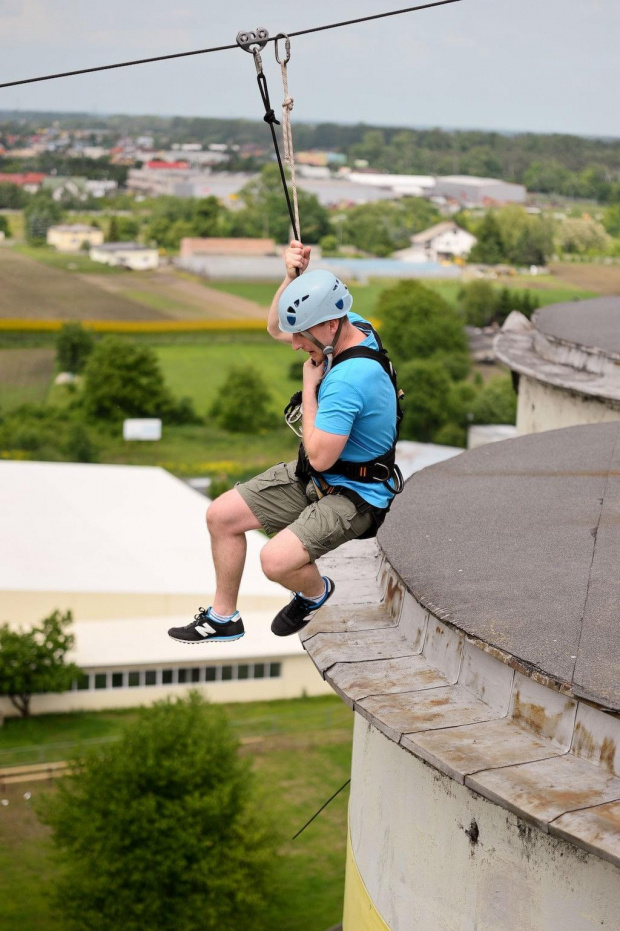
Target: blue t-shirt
[(357, 399)]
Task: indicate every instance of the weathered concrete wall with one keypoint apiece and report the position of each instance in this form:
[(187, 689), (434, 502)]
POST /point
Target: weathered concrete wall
[(543, 407), (428, 854)]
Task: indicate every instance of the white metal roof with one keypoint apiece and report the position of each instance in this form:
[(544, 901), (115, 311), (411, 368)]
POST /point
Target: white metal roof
[(109, 528), (145, 641)]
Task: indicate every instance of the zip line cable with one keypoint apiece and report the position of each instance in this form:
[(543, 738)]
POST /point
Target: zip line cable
[(337, 792), (221, 48)]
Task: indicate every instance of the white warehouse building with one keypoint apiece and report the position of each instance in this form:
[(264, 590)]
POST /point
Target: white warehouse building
[(125, 549)]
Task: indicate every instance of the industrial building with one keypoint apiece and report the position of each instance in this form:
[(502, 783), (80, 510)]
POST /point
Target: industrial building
[(479, 192), (125, 549)]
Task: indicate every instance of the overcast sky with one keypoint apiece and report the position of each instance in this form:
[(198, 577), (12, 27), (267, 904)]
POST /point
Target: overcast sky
[(542, 65)]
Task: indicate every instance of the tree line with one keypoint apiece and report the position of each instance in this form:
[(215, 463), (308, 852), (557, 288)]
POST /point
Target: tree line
[(554, 163)]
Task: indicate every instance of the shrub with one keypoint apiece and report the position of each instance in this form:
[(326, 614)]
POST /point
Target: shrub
[(78, 446), (478, 303), (160, 830), (417, 323), (74, 344), (123, 379), (496, 402), (451, 434), (242, 403), (427, 391)]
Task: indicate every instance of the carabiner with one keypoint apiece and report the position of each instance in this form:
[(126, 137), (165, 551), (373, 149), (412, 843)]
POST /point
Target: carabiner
[(287, 46)]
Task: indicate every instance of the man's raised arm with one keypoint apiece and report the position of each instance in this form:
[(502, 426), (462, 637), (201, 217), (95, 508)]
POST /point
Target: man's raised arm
[(296, 257)]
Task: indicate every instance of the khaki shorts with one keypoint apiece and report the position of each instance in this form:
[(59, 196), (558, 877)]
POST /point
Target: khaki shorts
[(279, 499)]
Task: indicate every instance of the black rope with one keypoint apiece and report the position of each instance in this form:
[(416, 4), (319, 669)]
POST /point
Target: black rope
[(321, 809), (219, 48), (270, 118)]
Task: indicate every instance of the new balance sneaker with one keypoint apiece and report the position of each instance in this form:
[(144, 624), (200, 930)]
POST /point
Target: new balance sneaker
[(298, 612), (204, 629)]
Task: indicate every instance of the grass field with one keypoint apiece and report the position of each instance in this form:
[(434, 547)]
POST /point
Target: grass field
[(76, 262), (303, 759), (34, 290), (25, 375), (549, 289), (42, 284)]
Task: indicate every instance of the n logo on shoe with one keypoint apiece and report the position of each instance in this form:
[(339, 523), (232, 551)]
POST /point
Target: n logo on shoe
[(203, 631)]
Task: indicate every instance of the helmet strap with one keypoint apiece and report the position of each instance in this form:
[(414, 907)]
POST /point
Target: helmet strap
[(328, 351)]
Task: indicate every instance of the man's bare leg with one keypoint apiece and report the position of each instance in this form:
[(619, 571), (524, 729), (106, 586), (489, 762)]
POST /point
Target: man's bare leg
[(228, 519), (286, 560)]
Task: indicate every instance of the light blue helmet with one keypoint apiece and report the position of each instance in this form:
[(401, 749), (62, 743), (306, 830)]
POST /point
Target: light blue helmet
[(312, 298)]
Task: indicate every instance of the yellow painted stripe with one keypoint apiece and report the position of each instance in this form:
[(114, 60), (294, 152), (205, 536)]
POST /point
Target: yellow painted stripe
[(359, 912), (133, 326)]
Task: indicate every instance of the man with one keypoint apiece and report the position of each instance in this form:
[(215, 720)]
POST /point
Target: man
[(342, 487)]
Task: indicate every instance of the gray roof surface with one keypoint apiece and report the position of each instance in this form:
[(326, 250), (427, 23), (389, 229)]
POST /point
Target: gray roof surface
[(594, 323), (518, 543)]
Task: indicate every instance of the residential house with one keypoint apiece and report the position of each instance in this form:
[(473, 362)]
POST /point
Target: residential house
[(71, 237), (443, 242), (131, 255)]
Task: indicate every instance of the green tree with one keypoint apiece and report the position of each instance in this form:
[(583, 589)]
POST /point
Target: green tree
[(242, 404), (417, 323), (161, 830), (611, 220), (123, 379), (426, 385), (128, 228), (478, 303), (74, 344), (12, 197), (207, 216), (582, 236), (33, 661), (378, 228), (527, 239), (496, 402), (78, 445), (41, 213), (113, 234), (489, 249), (264, 211)]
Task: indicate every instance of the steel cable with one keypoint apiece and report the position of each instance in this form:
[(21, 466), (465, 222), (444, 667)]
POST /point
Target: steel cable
[(220, 48)]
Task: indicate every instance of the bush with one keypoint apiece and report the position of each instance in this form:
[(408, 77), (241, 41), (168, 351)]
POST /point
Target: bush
[(478, 303), (242, 403), (4, 225), (123, 379), (161, 831), (496, 402), (78, 446), (427, 391), (417, 323), (74, 344), (451, 434), (35, 428)]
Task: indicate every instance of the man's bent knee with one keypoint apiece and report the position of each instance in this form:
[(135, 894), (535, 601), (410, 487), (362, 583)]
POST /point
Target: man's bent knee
[(230, 514), (282, 555)]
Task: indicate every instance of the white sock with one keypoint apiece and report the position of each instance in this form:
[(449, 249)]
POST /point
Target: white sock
[(222, 618), (318, 597)]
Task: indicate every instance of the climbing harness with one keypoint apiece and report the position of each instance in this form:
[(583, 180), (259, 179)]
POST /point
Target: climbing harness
[(254, 42), (382, 469)]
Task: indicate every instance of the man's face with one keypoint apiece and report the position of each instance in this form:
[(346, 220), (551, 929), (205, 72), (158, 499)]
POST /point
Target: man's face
[(324, 332)]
